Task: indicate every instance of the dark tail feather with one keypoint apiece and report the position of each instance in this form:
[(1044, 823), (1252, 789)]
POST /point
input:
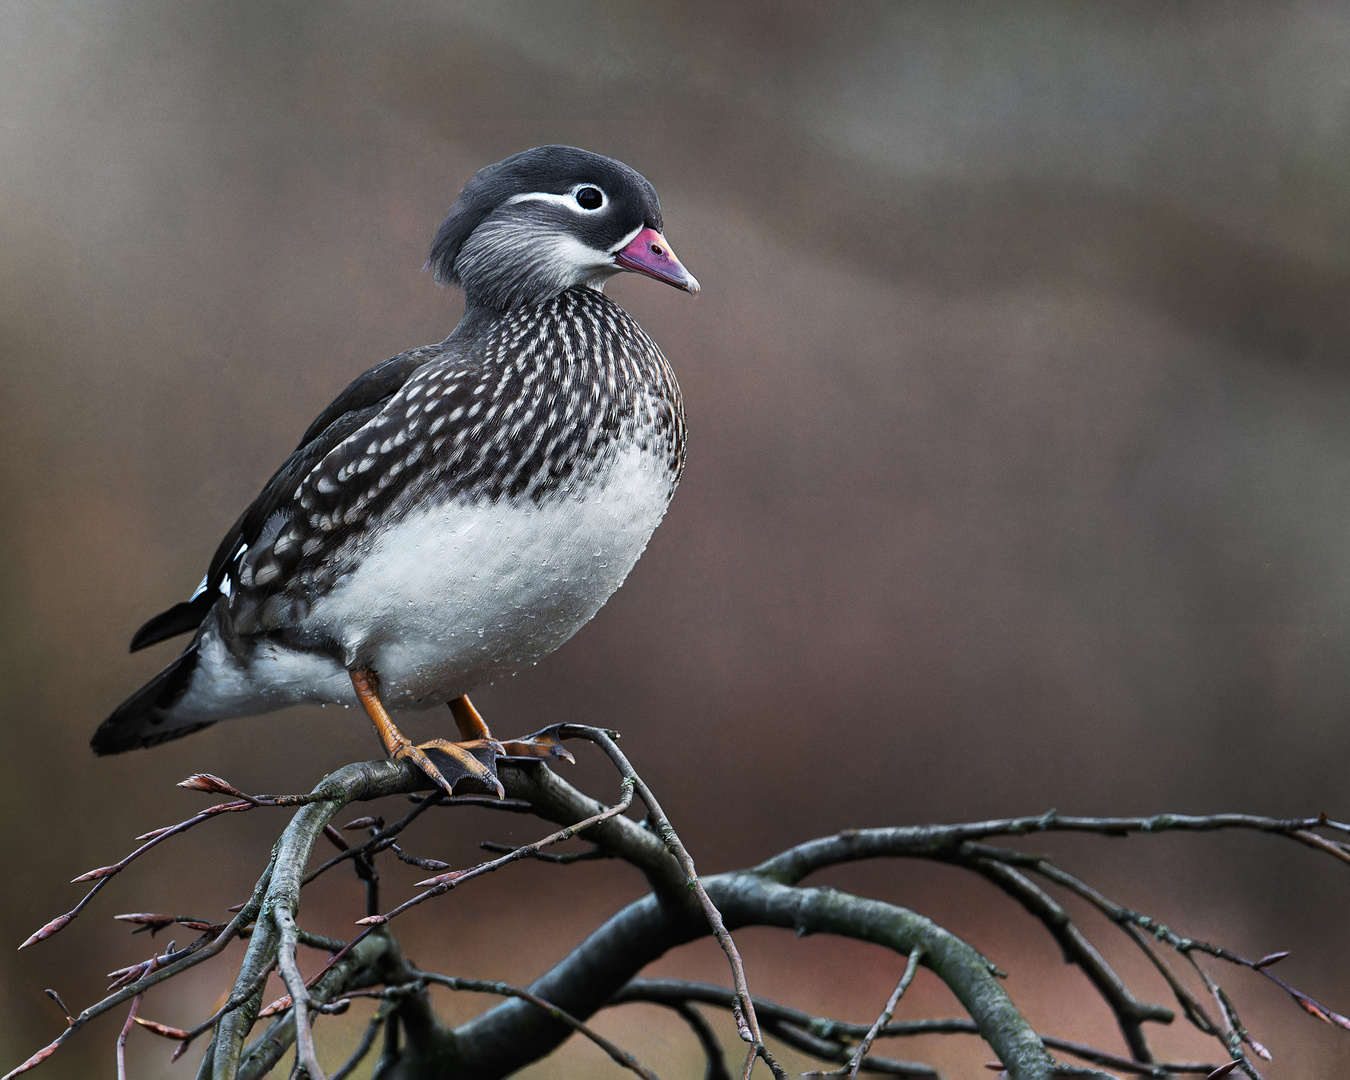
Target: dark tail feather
[(179, 619), (144, 718)]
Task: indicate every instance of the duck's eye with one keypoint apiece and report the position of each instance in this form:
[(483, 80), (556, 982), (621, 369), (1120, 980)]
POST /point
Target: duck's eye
[(589, 198)]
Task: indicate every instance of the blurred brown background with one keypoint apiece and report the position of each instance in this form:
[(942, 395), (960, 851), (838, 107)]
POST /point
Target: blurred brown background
[(1019, 473)]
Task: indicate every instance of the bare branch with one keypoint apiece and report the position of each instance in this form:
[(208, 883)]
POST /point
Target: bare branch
[(681, 908), (122, 1038), (362, 1048), (505, 1038), (746, 1023), (443, 883), (295, 983), (851, 845), (375, 958), (1130, 1012), (855, 1062), (501, 989)]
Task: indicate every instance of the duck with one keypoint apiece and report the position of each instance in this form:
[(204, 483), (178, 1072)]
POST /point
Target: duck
[(460, 510)]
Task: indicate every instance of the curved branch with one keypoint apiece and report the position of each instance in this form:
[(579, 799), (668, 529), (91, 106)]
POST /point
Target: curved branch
[(708, 1041), (511, 1035), (789, 867)]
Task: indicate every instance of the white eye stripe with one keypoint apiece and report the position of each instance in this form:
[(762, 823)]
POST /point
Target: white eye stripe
[(543, 196), (569, 200)]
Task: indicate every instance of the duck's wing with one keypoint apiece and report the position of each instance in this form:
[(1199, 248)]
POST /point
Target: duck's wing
[(355, 406)]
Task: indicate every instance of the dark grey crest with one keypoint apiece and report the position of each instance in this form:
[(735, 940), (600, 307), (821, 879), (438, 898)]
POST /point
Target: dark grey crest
[(555, 169)]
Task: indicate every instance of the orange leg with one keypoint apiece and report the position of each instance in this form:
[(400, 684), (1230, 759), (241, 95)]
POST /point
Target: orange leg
[(472, 726), (459, 759), (468, 719)]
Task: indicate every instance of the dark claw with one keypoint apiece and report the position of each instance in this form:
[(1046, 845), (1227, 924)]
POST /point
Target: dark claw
[(460, 780), (542, 744)]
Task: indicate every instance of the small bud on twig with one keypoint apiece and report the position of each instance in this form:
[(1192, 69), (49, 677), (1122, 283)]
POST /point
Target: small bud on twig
[(208, 782), (280, 1005), (37, 1059), (55, 926), (162, 1029), (156, 923), (1266, 961), (70, 1017), (94, 875), (441, 879)]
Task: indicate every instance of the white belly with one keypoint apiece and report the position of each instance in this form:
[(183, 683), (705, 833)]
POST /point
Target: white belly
[(459, 594)]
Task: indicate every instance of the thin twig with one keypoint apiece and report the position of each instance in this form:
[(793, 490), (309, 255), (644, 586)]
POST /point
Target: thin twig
[(501, 989), (1235, 1033), (746, 1022), (377, 954), (782, 1020), (564, 859), (1144, 929), (443, 883), (232, 929), (236, 999), (1157, 1069), (362, 1048), (122, 1038), (105, 874), (797, 862), (295, 983), (379, 839), (1129, 1011), (1322, 844), (197, 782), (911, 969), (671, 991), (708, 1041), (830, 1051)]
